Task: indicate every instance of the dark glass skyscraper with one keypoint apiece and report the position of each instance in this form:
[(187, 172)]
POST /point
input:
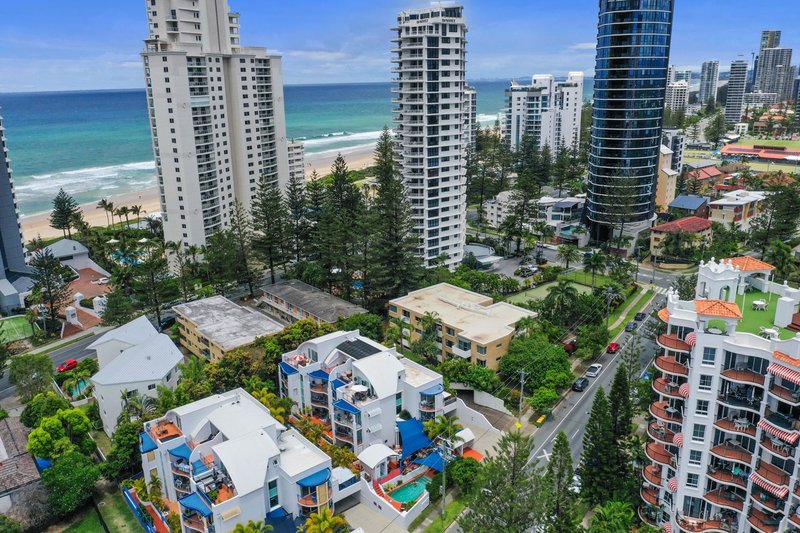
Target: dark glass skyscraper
[(633, 42)]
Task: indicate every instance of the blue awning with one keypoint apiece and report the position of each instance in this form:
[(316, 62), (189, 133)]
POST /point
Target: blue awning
[(336, 383), (182, 451), (287, 368), (413, 437), (319, 374), (344, 406), (198, 467), (146, 442), (433, 460), (43, 464), (433, 391), (194, 502), (315, 479), (280, 512)]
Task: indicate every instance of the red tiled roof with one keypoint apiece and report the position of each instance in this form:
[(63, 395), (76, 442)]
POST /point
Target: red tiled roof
[(717, 308), (780, 356), (705, 173), (748, 264), (764, 153), (690, 224)]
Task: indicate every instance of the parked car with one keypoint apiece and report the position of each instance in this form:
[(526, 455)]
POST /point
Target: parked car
[(570, 347), (594, 370), (69, 364), (613, 347), (631, 326), (580, 384), (525, 272), (639, 317)]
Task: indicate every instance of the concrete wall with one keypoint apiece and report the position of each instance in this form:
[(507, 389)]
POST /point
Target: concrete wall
[(468, 416), (483, 398)]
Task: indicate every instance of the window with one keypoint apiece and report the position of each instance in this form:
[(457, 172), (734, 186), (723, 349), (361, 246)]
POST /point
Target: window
[(702, 407), (464, 345), (482, 350), (151, 386), (699, 433), (273, 494), (692, 480), (450, 331), (695, 457), (705, 382), (393, 308), (709, 355)]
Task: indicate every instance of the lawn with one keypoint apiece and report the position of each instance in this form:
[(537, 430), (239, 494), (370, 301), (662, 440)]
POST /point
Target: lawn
[(89, 522), (794, 145), (117, 514), (451, 512), (102, 440), (16, 328), (753, 321), (539, 292), (585, 278)]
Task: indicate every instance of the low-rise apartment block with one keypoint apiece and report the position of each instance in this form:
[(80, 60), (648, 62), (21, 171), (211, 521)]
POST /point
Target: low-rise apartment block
[(292, 300), (358, 387), (737, 208), (225, 461), (212, 327), (472, 326), (297, 161), (698, 228)]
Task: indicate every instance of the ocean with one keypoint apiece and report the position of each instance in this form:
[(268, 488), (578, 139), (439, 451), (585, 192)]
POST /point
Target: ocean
[(96, 144)]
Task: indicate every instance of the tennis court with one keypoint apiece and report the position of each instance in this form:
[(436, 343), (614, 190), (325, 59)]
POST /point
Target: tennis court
[(15, 328)]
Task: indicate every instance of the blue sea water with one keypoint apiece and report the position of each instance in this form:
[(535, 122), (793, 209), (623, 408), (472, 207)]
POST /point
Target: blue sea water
[(96, 144)]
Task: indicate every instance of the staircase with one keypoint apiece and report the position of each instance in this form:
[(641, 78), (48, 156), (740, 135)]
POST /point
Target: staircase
[(795, 325)]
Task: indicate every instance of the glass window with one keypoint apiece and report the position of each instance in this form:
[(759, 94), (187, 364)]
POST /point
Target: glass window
[(450, 331), (482, 350), (699, 433), (702, 407), (393, 308), (273, 494), (709, 355), (695, 457), (705, 382), (692, 480)]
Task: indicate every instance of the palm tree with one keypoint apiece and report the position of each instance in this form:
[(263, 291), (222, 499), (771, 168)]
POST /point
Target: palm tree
[(123, 212), (135, 406), (270, 401), (192, 370), (103, 204), (396, 333), (677, 244), (111, 211), (252, 527), (136, 210), (595, 263), (567, 253), (194, 250), (612, 517), (324, 521), (561, 295), (445, 427), (779, 255)]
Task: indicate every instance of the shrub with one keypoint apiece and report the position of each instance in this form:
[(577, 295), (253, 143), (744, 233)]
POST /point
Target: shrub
[(543, 398)]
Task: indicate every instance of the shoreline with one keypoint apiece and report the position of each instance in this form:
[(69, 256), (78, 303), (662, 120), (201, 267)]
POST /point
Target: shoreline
[(38, 224)]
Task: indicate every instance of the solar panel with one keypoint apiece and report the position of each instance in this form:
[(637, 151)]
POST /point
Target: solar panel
[(358, 349)]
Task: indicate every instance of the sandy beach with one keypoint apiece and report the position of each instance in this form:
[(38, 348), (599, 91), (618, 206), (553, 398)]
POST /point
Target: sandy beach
[(38, 225)]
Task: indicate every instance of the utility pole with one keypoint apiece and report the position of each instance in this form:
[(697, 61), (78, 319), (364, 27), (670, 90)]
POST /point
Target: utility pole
[(522, 374)]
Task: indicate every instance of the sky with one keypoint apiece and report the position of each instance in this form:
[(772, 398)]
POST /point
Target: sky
[(51, 45)]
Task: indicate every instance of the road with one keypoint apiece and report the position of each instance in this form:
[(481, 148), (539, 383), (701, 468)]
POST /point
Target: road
[(76, 350)]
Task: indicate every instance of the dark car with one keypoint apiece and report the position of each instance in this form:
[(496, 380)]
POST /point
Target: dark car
[(580, 384), (570, 347), (639, 317), (631, 326)]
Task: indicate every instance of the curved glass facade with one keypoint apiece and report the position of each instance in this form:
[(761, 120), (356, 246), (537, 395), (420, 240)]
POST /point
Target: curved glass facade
[(633, 42)]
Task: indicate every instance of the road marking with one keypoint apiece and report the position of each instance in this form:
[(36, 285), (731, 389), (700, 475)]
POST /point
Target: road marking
[(576, 433), (545, 456)]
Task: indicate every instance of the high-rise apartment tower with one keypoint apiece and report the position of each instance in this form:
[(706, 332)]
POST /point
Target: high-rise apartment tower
[(709, 81), (633, 43), (216, 115), (775, 72), (430, 48), (737, 82)]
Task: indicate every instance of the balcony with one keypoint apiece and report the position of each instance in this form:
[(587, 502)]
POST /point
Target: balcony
[(427, 407), (648, 515), (194, 523), (660, 432), (777, 447), (650, 496), (767, 501), (658, 453), (668, 365), (742, 374), (687, 523), (725, 498), (721, 475), (732, 452), (652, 474), (781, 420), (739, 401), (663, 411), (762, 521), (665, 387), (772, 473), (670, 341), (347, 437), (784, 394), (312, 500), (731, 426), (319, 388)]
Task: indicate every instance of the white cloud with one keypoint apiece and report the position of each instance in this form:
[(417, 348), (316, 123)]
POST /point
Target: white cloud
[(583, 46), (318, 55)]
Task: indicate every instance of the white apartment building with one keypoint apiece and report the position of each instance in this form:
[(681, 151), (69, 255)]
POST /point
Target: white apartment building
[(216, 115), (471, 118), (675, 74), (709, 81), (775, 72), (359, 387), (677, 96), (498, 208), (225, 460), (297, 161), (562, 214), (430, 148), (724, 431), (757, 100), (546, 109), (737, 82), (674, 139), (737, 208)]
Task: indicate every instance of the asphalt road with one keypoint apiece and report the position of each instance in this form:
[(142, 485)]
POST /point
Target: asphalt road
[(76, 350)]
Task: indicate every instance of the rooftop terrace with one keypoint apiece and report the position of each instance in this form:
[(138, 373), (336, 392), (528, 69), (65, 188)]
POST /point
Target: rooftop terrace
[(752, 320)]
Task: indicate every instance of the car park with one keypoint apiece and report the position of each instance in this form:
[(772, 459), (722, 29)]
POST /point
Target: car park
[(594, 370)]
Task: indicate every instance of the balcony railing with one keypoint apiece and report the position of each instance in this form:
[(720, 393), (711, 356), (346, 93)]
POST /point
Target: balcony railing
[(670, 341), (652, 474), (732, 426), (668, 364), (426, 406), (784, 394), (777, 446), (648, 515), (762, 521), (736, 400), (725, 498), (721, 475), (666, 387), (312, 500), (766, 500), (733, 452), (687, 523), (772, 473), (660, 432), (658, 453), (664, 411), (743, 375), (650, 495)]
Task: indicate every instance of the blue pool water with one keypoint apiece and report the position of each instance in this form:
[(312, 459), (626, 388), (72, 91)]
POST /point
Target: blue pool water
[(410, 491), (82, 384)]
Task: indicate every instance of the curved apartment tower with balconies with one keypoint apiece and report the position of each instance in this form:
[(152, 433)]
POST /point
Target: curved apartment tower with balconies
[(724, 431), (633, 44), (431, 130)]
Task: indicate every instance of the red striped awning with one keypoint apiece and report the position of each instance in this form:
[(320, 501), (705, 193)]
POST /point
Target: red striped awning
[(684, 390), (785, 373), (778, 492), (673, 484), (677, 440), (788, 436), (691, 339), (667, 528)]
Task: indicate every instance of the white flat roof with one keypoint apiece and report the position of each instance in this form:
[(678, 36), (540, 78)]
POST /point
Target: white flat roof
[(374, 454), (298, 455), (150, 360), (246, 459), (418, 375), (227, 324)]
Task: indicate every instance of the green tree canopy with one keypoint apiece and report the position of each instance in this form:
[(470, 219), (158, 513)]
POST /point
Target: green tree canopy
[(70, 482), (370, 325), (546, 364), (31, 374), (560, 515), (42, 405)]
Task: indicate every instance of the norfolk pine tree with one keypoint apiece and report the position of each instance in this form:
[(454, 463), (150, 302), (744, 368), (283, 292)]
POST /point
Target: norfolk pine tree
[(296, 210), (242, 231), (597, 460), (47, 275), (269, 221), (64, 209), (560, 514)]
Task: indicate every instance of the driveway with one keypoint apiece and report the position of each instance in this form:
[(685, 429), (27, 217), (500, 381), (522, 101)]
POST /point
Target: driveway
[(371, 521)]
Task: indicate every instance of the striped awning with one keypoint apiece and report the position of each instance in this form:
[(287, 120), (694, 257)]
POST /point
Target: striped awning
[(691, 339), (684, 390), (788, 436), (667, 528), (677, 440), (673, 484), (778, 492), (786, 373)]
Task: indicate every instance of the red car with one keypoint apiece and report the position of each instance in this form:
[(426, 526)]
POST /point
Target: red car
[(69, 364), (613, 348)]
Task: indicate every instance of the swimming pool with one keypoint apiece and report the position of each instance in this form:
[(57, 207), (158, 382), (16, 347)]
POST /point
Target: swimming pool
[(410, 491), (82, 384)]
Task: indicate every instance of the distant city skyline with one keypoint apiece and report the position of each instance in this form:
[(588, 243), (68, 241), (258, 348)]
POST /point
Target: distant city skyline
[(348, 41)]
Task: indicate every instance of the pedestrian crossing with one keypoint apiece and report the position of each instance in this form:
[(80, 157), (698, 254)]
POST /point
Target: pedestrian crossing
[(656, 289)]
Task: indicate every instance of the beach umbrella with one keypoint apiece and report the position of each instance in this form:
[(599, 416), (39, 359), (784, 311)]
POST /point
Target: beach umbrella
[(143, 240), (112, 241)]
